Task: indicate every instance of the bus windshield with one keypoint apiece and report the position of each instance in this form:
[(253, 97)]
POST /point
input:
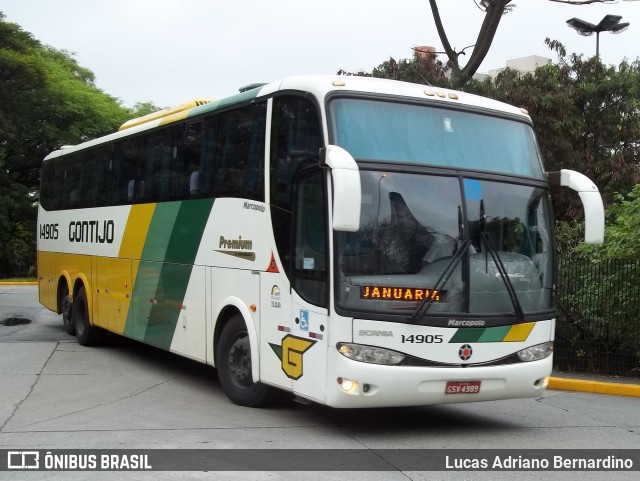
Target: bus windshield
[(460, 245), (377, 130)]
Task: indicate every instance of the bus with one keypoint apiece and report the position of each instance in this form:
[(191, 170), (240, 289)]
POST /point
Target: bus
[(355, 242)]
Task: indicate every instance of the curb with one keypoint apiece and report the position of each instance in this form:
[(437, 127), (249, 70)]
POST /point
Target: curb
[(18, 283), (598, 387)]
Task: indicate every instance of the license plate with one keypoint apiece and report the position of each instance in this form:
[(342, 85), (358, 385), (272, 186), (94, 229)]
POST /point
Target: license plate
[(462, 387)]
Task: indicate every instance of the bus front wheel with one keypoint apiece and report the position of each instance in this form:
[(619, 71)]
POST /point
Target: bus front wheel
[(233, 363)]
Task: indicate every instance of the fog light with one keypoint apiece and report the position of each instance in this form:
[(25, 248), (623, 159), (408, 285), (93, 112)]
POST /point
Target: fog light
[(537, 352), (347, 385), (370, 354)]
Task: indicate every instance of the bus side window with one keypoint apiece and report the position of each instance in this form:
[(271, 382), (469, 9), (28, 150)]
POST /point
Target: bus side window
[(310, 261), (239, 157), (191, 160), (296, 138), (159, 163), (131, 154), (76, 181)]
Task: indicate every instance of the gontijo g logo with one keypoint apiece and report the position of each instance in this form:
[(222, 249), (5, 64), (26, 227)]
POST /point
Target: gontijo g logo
[(290, 353)]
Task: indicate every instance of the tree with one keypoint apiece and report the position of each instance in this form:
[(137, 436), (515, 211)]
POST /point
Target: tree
[(598, 292), (46, 100), (143, 108), (494, 11), (424, 68), (621, 234), (586, 116)]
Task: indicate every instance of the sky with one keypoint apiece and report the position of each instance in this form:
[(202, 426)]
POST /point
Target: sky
[(171, 51)]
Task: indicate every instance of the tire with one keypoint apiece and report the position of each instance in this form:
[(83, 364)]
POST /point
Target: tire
[(67, 320), (87, 334), (233, 363)]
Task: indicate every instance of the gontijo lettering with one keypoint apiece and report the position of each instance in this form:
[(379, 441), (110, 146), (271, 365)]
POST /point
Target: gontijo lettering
[(92, 231)]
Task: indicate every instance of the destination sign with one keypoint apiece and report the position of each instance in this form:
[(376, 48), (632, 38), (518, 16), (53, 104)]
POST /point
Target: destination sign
[(385, 293)]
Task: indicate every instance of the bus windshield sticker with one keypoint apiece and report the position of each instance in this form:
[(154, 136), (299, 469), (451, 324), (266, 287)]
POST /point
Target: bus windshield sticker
[(472, 189)]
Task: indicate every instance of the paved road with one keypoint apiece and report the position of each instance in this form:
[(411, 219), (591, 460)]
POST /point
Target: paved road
[(56, 394)]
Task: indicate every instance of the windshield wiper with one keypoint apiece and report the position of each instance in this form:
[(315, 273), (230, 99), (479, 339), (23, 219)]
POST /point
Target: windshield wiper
[(442, 280), (504, 275), (424, 306)]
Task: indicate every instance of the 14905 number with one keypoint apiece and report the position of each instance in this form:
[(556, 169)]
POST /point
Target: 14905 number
[(423, 339)]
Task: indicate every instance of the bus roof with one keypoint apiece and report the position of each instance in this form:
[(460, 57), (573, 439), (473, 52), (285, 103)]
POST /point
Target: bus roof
[(163, 113), (319, 86)]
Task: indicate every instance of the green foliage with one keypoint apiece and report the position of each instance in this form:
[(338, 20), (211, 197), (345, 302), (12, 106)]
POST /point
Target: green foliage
[(586, 115), (143, 108), (622, 232), (587, 118), (424, 68), (598, 304), (46, 100), (599, 288)]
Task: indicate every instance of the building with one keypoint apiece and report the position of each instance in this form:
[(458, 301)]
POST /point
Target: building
[(524, 64)]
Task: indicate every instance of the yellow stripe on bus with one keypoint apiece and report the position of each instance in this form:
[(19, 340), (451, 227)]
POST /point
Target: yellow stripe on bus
[(519, 332), (135, 232)]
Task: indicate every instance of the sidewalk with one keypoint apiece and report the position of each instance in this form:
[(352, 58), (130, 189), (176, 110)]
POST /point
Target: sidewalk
[(612, 385)]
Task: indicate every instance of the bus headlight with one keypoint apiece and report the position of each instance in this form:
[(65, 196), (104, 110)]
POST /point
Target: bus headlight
[(370, 354), (535, 353)]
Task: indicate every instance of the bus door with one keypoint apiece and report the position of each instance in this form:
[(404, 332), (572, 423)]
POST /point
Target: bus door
[(294, 315), (307, 345)]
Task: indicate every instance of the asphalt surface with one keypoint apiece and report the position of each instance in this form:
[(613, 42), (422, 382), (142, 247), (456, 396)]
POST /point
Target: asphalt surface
[(56, 394), (611, 385)]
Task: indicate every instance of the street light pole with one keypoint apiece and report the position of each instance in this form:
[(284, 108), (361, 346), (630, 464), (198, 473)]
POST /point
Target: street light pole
[(610, 23)]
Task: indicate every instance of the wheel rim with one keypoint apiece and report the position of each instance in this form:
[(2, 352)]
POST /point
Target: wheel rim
[(239, 362)]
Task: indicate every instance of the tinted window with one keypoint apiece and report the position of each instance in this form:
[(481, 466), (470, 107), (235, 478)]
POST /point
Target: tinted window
[(420, 134), (222, 154), (238, 164), (310, 262), (296, 139)]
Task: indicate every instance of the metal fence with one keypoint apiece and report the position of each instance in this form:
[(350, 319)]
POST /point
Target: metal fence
[(598, 324)]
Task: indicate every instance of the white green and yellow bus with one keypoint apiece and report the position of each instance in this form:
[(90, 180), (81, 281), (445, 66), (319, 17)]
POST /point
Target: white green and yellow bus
[(356, 242)]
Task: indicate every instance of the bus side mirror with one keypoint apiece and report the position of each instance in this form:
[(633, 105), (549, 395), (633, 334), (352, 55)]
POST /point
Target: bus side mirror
[(591, 201), (347, 196)]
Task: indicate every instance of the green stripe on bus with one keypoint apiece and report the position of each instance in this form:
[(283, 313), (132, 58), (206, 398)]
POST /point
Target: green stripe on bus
[(494, 334), (148, 275), (489, 334), (169, 251), (220, 104), (175, 272), (160, 230), (467, 335)]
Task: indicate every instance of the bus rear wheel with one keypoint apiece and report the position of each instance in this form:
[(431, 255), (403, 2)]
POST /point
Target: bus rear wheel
[(233, 363), (87, 334), (66, 308)]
